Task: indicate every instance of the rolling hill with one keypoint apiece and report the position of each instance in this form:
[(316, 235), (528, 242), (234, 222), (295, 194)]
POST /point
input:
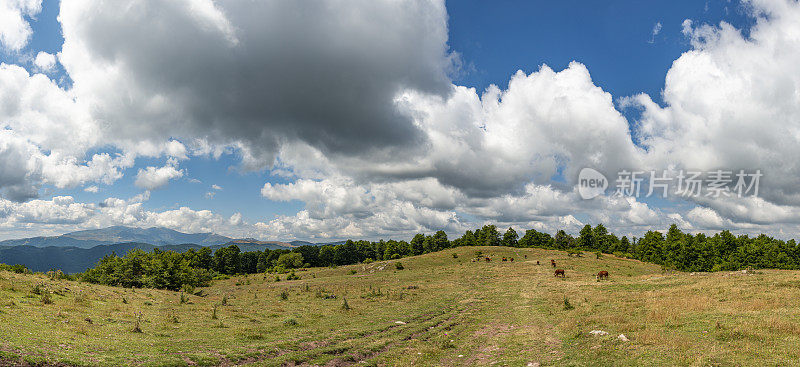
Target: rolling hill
[(439, 310)]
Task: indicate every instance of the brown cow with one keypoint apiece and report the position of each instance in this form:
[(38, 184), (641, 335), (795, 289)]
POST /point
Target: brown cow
[(537, 262), (553, 262), (512, 259), (488, 259), (504, 259), (561, 273), (602, 275), (526, 256)]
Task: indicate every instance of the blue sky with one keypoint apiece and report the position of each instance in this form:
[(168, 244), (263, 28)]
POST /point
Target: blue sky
[(337, 180)]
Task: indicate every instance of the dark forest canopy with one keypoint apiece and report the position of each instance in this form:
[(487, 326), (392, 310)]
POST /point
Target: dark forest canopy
[(675, 250)]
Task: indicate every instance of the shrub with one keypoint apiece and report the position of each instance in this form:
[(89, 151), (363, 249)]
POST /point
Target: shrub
[(290, 322), (455, 255), (38, 289), (214, 312), (567, 306), (184, 299), (284, 295), (345, 305), (58, 275), (292, 276), (18, 268), (399, 266), (598, 254), (352, 272), (224, 299), (137, 326), (46, 298)]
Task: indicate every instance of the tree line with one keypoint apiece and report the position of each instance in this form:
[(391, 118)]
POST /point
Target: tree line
[(675, 250)]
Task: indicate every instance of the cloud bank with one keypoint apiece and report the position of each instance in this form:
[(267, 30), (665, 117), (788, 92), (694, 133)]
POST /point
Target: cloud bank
[(351, 102)]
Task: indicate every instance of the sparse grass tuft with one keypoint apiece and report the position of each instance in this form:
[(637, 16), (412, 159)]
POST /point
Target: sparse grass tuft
[(567, 305), (137, 326)]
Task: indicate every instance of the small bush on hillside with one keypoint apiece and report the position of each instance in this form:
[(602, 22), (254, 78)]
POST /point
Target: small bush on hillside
[(277, 278), (46, 298), (214, 312), (345, 305), (598, 254), (38, 289), (290, 322), (18, 268), (137, 326), (455, 255), (188, 288), (567, 306), (184, 299), (292, 276), (352, 272), (224, 299), (399, 266), (58, 275), (284, 296)]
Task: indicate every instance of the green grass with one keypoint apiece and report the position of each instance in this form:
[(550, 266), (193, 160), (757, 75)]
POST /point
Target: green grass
[(439, 309)]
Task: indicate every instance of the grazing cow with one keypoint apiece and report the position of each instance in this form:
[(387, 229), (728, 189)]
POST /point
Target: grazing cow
[(553, 262), (602, 275), (537, 262), (526, 256), (512, 259), (504, 259), (561, 273), (488, 259)]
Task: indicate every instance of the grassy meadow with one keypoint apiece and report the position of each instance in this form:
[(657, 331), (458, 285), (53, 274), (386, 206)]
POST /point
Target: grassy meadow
[(441, 309)]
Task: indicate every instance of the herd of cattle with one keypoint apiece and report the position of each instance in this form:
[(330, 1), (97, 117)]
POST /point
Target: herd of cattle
[(558, 273)]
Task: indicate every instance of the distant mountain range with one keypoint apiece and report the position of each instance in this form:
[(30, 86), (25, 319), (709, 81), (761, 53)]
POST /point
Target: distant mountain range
[(77, 251), (157, 236)]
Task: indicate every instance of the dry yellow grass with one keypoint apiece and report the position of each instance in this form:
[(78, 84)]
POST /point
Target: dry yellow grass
[(438, 311)]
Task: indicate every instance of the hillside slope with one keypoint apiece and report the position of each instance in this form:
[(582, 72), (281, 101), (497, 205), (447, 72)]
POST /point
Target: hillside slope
[(438, 310)]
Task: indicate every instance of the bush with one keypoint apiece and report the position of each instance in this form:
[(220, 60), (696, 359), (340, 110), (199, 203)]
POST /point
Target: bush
[(18, 268), (284, 296), (352, 272), (399, 266), (455, 255), (46, 298), (345, 305), (292, 276), (137, 326), (567, 306), (290, 322)]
